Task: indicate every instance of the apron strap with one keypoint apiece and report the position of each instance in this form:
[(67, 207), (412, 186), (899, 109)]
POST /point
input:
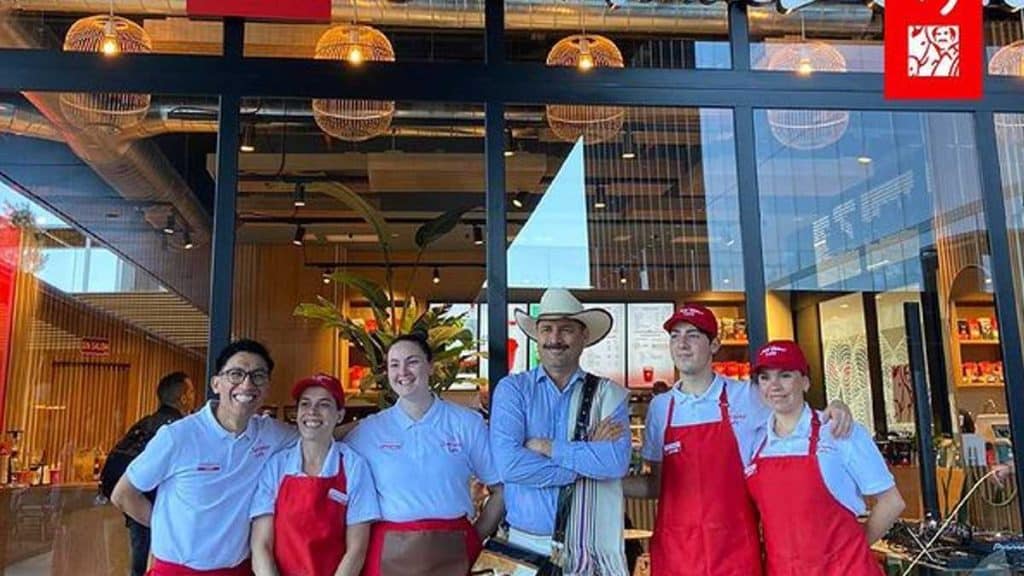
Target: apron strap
[(723, 403), (757, 453), (815, 433), (671, 410)]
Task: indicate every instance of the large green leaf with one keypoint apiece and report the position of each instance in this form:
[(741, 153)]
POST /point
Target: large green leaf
[(368, 288), (439, 226), (356, 202)]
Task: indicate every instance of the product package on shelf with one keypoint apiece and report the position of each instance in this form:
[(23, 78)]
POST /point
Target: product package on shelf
[(980, 328), (733, 370)]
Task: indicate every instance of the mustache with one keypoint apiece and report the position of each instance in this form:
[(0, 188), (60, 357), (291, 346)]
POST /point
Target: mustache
[(555, 347)]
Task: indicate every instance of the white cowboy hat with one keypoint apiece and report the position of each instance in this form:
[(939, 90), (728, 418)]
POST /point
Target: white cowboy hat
[(559, 303)]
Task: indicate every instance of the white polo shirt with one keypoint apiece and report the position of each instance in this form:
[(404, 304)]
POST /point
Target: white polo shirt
[(360, 495), (747, 412), (852, 467), (422, 469), (206, 478)]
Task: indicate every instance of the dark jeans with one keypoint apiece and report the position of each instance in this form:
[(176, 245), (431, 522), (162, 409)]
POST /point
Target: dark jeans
[(138, 535)]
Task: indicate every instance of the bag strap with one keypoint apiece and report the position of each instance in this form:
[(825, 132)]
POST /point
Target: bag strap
[(565, 495)]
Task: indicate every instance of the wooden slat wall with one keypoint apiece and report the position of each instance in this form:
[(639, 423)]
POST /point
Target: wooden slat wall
[(270, 281), (103, 396)]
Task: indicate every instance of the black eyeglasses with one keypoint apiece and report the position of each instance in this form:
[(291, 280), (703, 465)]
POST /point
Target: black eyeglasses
[(236, 376)]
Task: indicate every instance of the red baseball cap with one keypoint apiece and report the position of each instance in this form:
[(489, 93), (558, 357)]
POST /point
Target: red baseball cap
[(332, 384), (700, 317), (780, 355)]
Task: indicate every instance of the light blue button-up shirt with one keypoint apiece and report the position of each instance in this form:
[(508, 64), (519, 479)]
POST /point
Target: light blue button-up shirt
[(529, 405), (206, 478)]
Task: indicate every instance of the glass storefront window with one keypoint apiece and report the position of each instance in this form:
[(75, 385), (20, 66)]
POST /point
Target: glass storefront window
[(861, 213), (104, 285), (329, 207)]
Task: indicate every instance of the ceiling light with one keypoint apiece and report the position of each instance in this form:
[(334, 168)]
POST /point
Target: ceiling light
[(188, 241), (622, 275), (864, 160), (248, 141), (300, 235), (111, 46), (478, 235), (600, 198), (169, 226), (437, 276), (628, 146), (326, 276), (299, 195), (510, 149), (520, 199)]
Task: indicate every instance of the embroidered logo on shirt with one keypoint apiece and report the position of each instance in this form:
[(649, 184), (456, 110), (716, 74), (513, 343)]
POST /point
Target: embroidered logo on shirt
[(750, 470), (453, 445), (260, 450), (673, 447), (208, 467), (390, 445), (338, 496)]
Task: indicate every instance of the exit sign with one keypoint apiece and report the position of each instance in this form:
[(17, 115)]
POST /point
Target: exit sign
[(296, 10)]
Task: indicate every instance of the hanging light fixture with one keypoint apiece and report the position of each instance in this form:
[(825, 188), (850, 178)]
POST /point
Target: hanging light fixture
[(509, 143), (187, 240), (478, 235), (326, 275), (248, 139), (300, 235), (299, 195), (170, 224), (628, 145), (807, 129), (1009, 61), (520, 199), (437, 276), (622, 275), (108, 112), (354, 120), (600, 198), (594, 123)]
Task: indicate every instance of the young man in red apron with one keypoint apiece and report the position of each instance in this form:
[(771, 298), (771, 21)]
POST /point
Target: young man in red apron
[(205, 467), (316, 499), (698, 438), (809, 486)]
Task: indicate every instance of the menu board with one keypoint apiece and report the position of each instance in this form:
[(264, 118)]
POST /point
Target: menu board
[(649, 357), (607, 358), (517, 343)]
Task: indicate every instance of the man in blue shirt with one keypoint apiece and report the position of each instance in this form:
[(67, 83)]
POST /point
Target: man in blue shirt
[(533, 415)]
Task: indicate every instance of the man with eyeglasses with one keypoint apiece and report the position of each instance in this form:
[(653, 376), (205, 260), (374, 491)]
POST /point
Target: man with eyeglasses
[(206, 467)]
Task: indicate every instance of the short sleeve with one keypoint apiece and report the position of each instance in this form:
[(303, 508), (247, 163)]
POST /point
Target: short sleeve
[(654, 427), (265, 499), (864, 463), (362, 493), (155, 464), (279, 434), (480, 457)]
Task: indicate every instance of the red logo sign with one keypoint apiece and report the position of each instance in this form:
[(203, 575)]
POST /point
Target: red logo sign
[(302, 10), (95, 347), (933, 49)]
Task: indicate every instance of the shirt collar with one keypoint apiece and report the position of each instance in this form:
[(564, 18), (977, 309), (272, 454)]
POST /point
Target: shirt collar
[(802, 430), (541, 376), (222, 433), (405, 422), (713, 391)]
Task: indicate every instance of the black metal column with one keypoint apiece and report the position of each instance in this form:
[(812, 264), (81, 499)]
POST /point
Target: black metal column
[(922, 411), (935, 354), (497, 260), (222, 252), (1002, 278), (750, 224)]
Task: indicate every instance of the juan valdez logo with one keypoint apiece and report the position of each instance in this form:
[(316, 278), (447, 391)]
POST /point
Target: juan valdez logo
[(933, 49)]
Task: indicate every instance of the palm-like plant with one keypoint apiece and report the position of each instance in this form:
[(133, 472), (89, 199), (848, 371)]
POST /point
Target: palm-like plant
[(452, 343)]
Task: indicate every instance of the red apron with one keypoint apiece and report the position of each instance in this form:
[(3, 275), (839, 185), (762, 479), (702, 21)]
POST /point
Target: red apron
[(706, 524), (161, 568), (807, 532), (422, 548), (309, 524)]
